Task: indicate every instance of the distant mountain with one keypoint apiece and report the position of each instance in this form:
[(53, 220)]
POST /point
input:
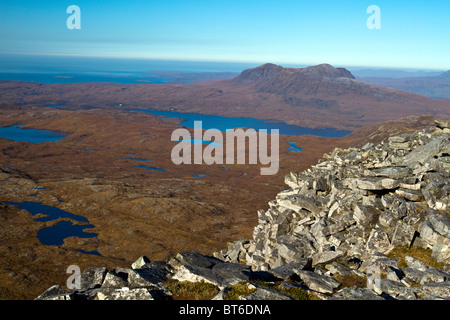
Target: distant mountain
[(391, 73), (320, 96), (437, 86), (290, 81), (334, 93), (275, 73)]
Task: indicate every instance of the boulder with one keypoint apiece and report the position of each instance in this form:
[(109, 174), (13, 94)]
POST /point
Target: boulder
[(141, 261), (265, 293), (125, 293), (92, 277), (316, 282), (53, 291), (356, 293), (366, 216), (287, 271), (114, 280)]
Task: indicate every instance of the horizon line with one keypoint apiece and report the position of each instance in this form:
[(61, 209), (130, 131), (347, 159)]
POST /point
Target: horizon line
[(224, 61)]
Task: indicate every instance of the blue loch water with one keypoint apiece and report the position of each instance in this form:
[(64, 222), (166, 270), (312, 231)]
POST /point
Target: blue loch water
[(17, 133), (223, 123), (136, 159), (151, 168), (294, 148), (56, 234)]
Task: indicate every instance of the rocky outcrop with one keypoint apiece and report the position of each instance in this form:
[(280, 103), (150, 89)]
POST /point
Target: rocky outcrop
[(354, 207), (341, 219)]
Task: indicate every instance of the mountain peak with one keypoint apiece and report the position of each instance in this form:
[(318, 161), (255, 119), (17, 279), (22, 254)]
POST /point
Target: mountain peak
[(270, 71), (327, 70), (262, 72)]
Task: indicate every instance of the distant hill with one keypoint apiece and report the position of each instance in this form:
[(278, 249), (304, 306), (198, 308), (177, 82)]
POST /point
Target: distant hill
[(391, 73), (437, 86), (319, 96)]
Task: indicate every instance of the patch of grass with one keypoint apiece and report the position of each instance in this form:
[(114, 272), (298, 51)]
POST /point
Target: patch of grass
[(350, 281), (296, 293), (185, 290), (239, 289), (421, 254)]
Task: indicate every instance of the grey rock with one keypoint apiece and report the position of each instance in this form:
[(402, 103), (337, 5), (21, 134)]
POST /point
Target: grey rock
[(316, 282), (141, 261), (325, 257), (149, 277), (125, 293), (92, 277), (343, 270), (290, 249), (356, 293), (54, 290), (298, 202), (387, 219), (378, 241), (425, 152), (286, 271), (194, 259), (63, 296), (393, 288), (441, 224), (412, 195), (265, 293), (221, 277), (399, 138), (433, 275), (379, 261), (366, 216), (370, 183), (392, 172), (228, 270), (197, 274), (398, 208), (433, 290), (442, 124), (416, 263), (441, 252), (114, 280), (428, 234), (413, 274), (403, 234)]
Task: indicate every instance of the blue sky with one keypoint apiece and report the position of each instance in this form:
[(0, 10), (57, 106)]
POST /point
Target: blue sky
[(413, 34)]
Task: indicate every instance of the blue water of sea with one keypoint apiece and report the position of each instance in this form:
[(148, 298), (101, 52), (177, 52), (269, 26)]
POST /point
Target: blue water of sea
[(66, 69)]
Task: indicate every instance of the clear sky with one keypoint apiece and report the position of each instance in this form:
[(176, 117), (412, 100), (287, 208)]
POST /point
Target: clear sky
[(413, 34)]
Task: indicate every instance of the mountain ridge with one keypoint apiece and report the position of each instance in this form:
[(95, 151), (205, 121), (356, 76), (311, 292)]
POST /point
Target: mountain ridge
[(437, 86), (315, 97)]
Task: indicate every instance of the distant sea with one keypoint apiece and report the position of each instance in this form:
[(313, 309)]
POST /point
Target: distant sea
[(65, 69)]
